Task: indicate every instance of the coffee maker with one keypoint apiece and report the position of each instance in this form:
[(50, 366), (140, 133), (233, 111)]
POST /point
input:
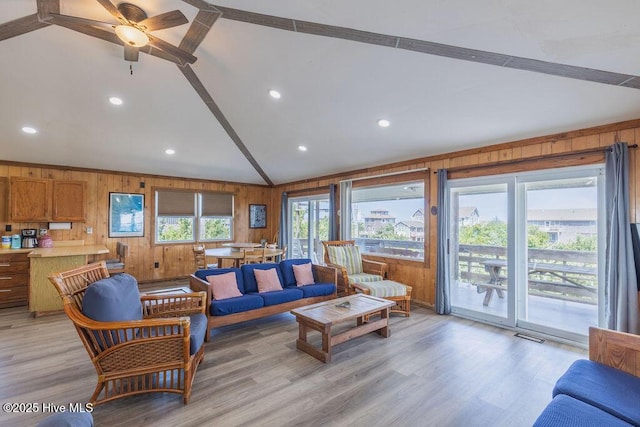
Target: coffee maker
[(29, 239)]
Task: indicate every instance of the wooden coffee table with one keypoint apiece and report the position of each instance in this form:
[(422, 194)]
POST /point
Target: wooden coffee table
[(322, 317)]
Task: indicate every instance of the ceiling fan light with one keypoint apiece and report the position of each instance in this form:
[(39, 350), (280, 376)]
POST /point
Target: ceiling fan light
[(132, 36)]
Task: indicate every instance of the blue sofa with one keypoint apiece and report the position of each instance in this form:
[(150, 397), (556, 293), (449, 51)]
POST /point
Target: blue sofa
[(602, 391), (252, 304)]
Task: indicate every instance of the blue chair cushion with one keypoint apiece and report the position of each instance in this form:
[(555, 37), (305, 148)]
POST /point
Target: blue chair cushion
[(606, 388), (279, 297), (289, 279), (250, 284), (198, 330), (235, 305), (68, 419), (317, 290), (566, 411), (114, 299), (202, 274)]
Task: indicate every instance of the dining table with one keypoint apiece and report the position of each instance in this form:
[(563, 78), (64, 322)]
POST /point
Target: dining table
[(239, 246), (228, 253)]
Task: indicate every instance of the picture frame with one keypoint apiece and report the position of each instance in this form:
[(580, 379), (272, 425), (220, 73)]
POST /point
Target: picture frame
[(257, 216), (126, 215)]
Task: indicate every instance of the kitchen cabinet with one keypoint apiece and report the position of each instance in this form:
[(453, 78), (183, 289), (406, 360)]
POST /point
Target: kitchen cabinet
[(69, 201), (40, 200), (29, 199), (14, 278)]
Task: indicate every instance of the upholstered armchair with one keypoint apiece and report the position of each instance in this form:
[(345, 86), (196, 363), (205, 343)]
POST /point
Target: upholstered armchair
[(137, 343), (352, 268)]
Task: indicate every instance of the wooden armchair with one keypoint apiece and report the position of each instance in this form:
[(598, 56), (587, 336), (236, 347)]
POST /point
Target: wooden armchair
[(618, 350), (355, 269), (200, 258), (159, 353)]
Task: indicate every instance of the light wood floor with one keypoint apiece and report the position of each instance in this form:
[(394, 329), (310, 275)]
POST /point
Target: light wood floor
[(432, 371)]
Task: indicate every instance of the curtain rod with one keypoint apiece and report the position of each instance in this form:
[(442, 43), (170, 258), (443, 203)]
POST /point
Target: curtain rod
[(385, 174), (530, 159)]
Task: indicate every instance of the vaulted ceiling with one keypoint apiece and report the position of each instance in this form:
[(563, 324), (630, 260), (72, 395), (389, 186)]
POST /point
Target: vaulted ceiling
[(448, 75)]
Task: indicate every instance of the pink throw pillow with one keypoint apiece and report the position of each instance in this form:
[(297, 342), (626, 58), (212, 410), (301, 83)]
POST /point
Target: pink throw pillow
[(303, 274), (268, 280), (224, 286)]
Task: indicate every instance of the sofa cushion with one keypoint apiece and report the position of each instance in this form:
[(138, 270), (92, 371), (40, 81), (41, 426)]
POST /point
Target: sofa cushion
[(224, 286), (364, 278), (606, 388), (197, 331), (316, 290), (203, 274), (113, 299), (347, 256), (250, 284), (566, 411), (236, 305), (279, 297), (267, 280), (68, 419), (303, 274), (286, 267)]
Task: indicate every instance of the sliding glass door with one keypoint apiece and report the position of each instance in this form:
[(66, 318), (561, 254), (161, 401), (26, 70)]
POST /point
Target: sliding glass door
[(308, 226), (524, 250)]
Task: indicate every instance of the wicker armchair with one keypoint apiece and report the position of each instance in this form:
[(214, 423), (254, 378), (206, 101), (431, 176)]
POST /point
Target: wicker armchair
[(369, 270), (136, 356)]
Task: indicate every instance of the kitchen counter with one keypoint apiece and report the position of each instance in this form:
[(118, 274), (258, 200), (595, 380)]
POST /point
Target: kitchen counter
[(64, 251), (43, 296), (15, 251)]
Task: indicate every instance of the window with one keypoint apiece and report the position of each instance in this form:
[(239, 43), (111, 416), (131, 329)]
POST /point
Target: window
[(387, 215), (188, 216)]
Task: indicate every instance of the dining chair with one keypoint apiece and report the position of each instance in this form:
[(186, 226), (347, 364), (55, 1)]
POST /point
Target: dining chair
[(253, 256), (200, 258)]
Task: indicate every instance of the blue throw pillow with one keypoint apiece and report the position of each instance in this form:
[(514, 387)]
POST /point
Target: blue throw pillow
[(114, 299)]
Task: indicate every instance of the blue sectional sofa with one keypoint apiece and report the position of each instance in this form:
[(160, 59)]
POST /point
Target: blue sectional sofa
[(253, 304), (602, 391)]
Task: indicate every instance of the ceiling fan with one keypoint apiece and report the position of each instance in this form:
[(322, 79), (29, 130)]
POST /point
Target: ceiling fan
[(132, 29)]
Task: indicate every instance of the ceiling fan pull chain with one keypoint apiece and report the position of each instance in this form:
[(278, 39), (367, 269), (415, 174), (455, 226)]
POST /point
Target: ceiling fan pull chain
[(131, 68)]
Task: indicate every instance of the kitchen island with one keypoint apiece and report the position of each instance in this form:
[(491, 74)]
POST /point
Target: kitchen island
[(43, 296)]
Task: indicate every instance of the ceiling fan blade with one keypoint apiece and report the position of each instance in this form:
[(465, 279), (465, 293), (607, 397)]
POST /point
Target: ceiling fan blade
[(164, 20), (57, 18), (184, 57), (131, 53), (113, 10)]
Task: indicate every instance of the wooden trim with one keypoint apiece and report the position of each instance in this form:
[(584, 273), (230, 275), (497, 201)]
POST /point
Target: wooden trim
[(392, 179), (309, 191)]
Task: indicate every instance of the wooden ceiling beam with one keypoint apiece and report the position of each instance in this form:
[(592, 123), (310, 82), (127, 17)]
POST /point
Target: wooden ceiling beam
[(436, 49), (20, 26)]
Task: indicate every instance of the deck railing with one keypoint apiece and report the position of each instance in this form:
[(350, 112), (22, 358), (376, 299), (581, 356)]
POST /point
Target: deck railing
[(559, 274)]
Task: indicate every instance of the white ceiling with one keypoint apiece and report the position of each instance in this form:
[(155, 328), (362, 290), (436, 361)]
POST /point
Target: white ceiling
[(333, 90)]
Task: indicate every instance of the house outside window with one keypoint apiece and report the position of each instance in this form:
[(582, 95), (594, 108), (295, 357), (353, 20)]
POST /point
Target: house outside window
[(189, 216), (386, 215)]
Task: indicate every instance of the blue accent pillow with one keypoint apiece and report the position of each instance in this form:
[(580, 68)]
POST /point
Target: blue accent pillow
[(114, 299)]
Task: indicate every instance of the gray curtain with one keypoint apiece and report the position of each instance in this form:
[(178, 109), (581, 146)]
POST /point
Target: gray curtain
[(443, 298), (621, 291), (283, 236), (333, 227)]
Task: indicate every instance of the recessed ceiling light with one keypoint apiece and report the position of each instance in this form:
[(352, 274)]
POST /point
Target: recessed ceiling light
[(29, 129), (384, 123), (302, 148), (274, 94), (170, 151), (115, 100)]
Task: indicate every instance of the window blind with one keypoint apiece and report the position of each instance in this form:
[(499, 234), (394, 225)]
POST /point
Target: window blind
[(216, 204), (175, 203)]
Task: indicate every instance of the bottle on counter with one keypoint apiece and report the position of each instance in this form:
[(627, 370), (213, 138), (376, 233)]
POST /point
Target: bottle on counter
[(16, 242), (6, 242), (45, 241)]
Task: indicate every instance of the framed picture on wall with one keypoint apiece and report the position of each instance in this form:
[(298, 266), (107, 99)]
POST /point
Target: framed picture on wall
[(257, 216), (126, 215)]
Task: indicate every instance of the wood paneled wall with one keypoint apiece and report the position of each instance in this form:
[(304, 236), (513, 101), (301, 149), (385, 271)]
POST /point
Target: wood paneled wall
[(501, 157), (175, 260)]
